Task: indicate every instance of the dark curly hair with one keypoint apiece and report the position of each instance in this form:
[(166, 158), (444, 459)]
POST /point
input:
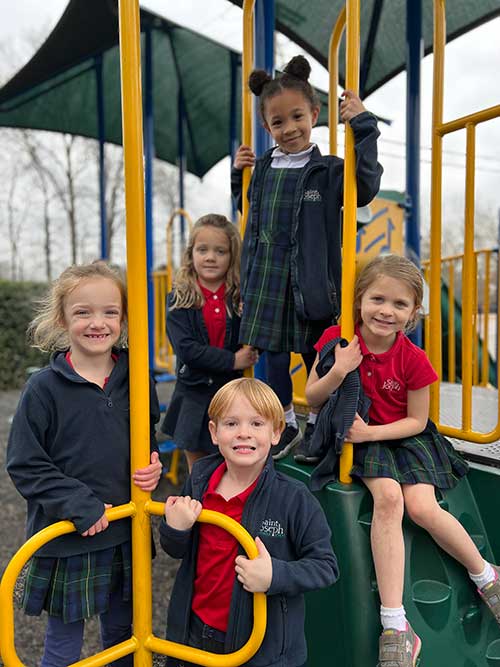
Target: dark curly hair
[(295, 77)]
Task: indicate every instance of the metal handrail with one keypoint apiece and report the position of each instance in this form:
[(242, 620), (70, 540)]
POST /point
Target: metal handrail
[(163, 282), (247, 59), (480, 372), (151, 643), (350, 203), (439, 129), (333, 70)]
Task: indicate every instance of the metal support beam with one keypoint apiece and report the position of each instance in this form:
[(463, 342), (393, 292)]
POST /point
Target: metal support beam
[(181, 159), (235, 63), (264, 59), (102, 171), (149, 152), (414, 55)]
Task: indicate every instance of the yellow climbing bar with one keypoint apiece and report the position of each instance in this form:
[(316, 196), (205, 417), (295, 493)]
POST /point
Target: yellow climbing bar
[(135, 644), (350, 205)]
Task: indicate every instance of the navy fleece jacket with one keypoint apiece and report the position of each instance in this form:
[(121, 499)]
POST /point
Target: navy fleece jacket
[(293, 527), (68, 452)]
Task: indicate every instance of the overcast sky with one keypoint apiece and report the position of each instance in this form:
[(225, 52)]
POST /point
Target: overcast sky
[(472, 83)]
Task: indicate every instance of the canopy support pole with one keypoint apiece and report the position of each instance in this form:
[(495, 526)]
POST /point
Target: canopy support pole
[(234, 91), (102, 171), (414, 53), (264, 59), (181, 158), (149, 151)]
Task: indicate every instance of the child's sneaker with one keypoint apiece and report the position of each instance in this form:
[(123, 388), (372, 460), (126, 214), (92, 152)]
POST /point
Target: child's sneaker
[(399, 648), (302, 454), (289, 438), (491, 594)]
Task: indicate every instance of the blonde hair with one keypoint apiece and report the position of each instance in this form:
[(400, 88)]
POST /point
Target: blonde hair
[(392, 266), (260, 396), (47, 331), (187, 293)]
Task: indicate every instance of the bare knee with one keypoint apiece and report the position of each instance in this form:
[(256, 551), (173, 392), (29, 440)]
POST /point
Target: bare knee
[(421, 512), (388, 503)]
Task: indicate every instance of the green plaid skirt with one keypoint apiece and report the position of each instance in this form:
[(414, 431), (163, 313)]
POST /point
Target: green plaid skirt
[(426, 458), (77, 587), (269, 320)]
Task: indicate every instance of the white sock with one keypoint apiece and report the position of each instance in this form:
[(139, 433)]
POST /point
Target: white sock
[(485, 577), (290, 418), (311, 417), (393, 618)]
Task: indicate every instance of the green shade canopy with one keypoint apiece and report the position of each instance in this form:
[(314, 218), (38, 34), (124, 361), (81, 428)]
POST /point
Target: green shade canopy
[(383, 30), (57, 89)]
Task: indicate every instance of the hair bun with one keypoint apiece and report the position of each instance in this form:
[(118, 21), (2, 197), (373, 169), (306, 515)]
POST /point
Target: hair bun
[(299, 68), (257, 80)]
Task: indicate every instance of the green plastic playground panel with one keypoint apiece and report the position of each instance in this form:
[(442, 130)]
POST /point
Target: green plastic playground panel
[(342, 623), (485, 484)]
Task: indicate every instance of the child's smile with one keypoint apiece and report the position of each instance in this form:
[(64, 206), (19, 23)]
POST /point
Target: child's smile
[(289, 119), (386, 308), (93, 315), (243, 436)]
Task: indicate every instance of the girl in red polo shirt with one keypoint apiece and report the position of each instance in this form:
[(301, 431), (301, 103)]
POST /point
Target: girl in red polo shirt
[(399, 455), (203, 325)]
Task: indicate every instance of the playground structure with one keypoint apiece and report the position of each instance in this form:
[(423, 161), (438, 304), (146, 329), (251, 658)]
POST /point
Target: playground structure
[(455, 630)]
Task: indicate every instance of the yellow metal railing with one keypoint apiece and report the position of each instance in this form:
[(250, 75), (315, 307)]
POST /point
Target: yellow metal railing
[(350, 203), (148, 643), (484, 262), (247, 59), (439, 130), (333, 70), (140, 507), (162, 282), (130, 72), (164, 355)]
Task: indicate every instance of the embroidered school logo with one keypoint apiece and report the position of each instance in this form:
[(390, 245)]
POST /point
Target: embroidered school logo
[(391, 385), (271, 528), (312, 195)]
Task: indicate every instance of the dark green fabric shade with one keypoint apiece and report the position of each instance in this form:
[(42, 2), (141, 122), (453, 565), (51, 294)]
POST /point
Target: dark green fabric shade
[(57, 89), (309, 24)]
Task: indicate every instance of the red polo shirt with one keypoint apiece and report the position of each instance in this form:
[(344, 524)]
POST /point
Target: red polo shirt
[(214, 314), (387, 377), (217, 550)]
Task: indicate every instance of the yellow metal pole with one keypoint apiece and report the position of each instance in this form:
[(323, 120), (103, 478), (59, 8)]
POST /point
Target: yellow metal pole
[(13, 569), (436, 201), (468, 281), (425, 267), (333, 69), (246, 102), (9, 579), (169, 278), (350, 202), (485, 361), (130, 61), (452, 362), (475, 329), (249, 649), (169, 237)]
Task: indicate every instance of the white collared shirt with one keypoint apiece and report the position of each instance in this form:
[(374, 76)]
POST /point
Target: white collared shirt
[(281, 160)]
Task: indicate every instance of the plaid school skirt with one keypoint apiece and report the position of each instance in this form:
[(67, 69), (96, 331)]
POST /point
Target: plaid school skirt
[(78, 587), (426, 458)]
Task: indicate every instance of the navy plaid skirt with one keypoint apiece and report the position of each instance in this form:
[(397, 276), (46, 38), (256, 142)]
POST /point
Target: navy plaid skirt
[(426, 458), (78, 587), (269, 320)]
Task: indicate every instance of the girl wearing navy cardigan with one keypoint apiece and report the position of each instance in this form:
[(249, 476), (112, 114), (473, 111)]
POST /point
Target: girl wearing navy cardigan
[(203, 326), (68, 456)]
